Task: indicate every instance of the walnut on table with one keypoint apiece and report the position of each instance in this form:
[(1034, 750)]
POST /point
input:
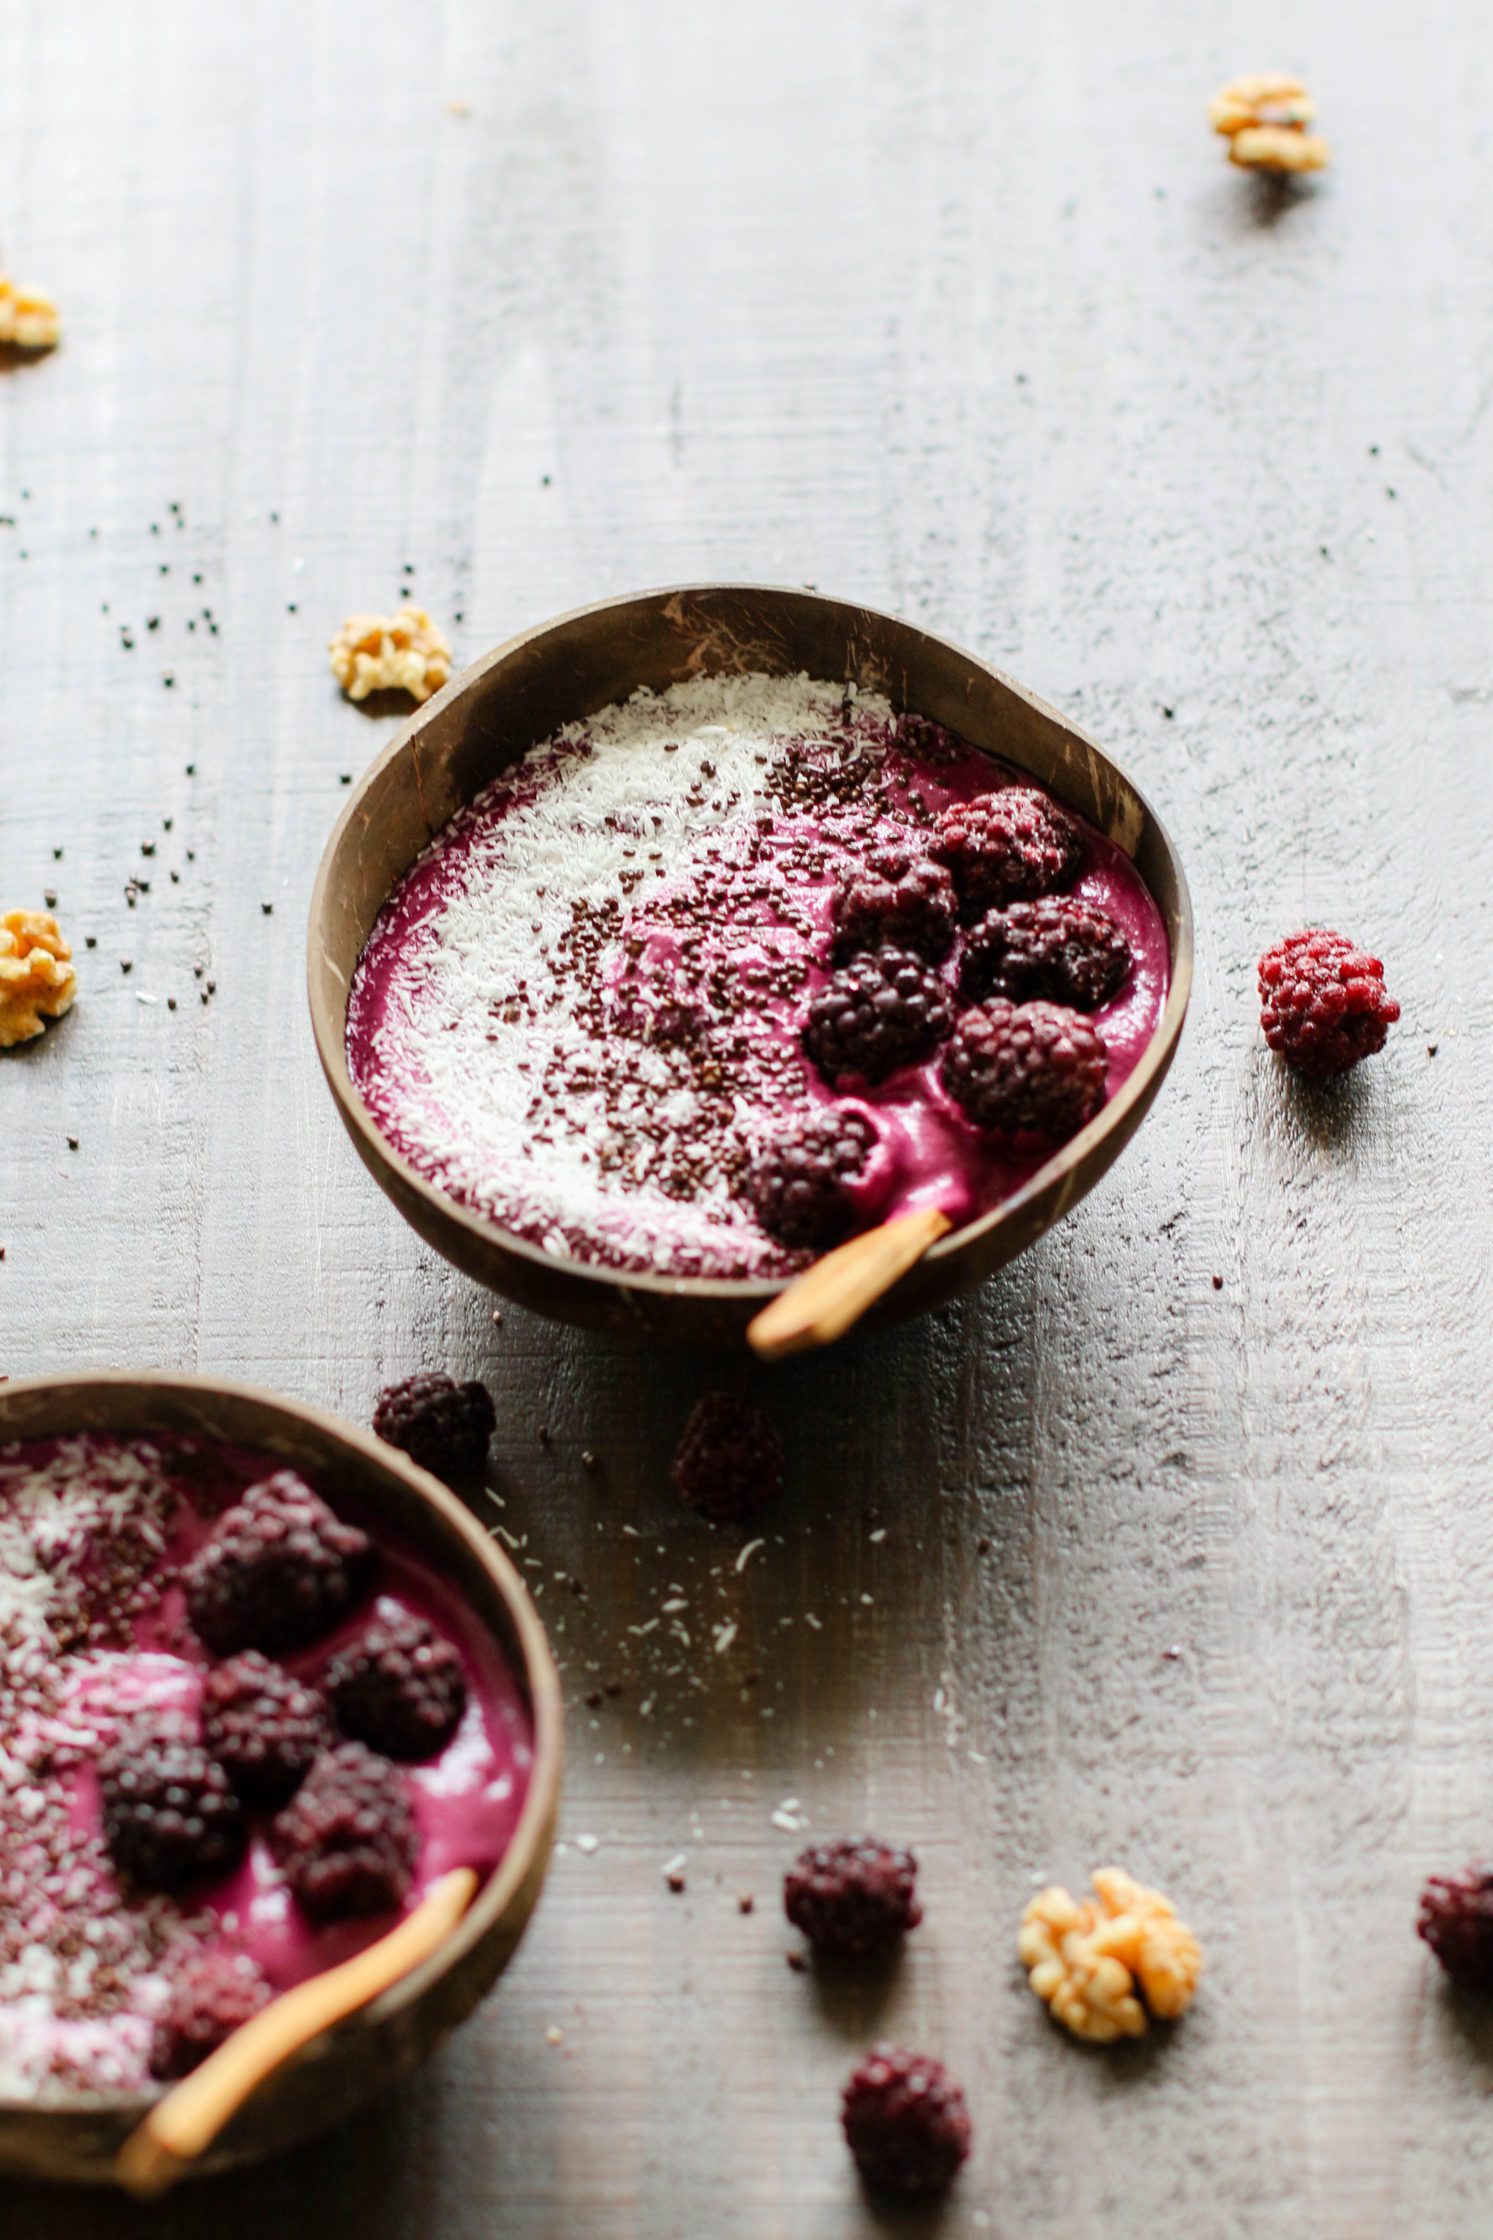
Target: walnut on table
[(37, 980), (1107, 1966), (1264, 117), (400, 652), (29, 320)]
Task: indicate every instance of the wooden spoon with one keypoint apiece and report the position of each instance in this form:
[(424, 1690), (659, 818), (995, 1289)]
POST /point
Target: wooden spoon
[(189, 2117), (822, 1303)]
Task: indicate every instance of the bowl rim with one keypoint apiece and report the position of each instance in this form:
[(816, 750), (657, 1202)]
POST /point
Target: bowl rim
[(536, 1671), (756, 1291)]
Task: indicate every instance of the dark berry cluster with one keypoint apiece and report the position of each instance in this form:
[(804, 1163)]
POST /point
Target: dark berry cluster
[(1031, 1073), (905, 2121), (1323, 1003), (1456, 1920), (729, 1462), (212, 1994), (170, 1815), (895, 900), (854, 1896), (262, 1725), (1059, 947), (278, 1569), (442, 1425), (800, 1180), (1006, 847), (875, 1014), (347, 1841), (398, 1686)]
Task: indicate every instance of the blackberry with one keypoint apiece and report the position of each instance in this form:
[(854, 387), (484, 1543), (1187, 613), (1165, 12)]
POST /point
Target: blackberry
[(262, 1725), (1059, 947), (1323, 1003), (855, 1896), (1032, 1073), (398, 1686), (799, 1183), (1456, 1920), (905, 2121), (347, 1840), (1007, 847), (729, 1462), (896, 899), (279, 1568), (875, 1014), (442, 1425), (213, 1993), (169, 1814)]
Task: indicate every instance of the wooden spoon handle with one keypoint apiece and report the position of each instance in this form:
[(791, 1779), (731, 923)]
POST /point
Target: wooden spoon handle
[(822, 1303), (190, 2116)]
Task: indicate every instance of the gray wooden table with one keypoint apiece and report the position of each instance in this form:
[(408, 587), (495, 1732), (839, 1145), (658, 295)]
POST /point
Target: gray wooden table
[(957, 309)]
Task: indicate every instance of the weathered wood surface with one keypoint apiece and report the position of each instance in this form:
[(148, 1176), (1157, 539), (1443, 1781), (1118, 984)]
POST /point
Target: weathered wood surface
[(957, 309)]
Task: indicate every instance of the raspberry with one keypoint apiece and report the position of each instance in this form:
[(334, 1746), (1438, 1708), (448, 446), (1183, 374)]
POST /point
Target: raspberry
[(1059, 946), (875, 1014), (855, 1896), (399, 1686), (1006, 847), (799, 1182), (442, 1425), (905, 2121), (262, 1725), (213, 1993), (1032, 1073), (347, 1840), (1323, 1003), (1456, 1920), (729, 1461), (277, 1571), (895, 898), (169, 1813)]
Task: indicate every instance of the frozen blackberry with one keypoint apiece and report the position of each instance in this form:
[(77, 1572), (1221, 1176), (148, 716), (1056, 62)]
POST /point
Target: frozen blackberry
[(905, 2121), (855, 1896), (1323, 1003), (1032, 1073), (1456, 1920), (875, 1014), (278, 1570), (347, 1840), (895, 899), (729, 1463), (262, 1725), (213, 1993), (1059, 946), (442, 1425), (1007, 847), (169, 1813), (799, 1183), (398, 1686)]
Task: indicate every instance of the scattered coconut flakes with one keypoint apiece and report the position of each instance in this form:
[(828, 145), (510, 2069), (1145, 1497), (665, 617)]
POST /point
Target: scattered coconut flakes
[(724, 1636), (588, 1844), (748, 1552), (555, 2036)]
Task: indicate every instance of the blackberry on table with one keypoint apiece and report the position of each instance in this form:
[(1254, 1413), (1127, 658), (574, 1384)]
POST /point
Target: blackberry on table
[(213, 1993), (895, 899), (442, 1425), (1032, 1073), (279, 1568), (854, 1896), (905, 2121), (1060, 947), (262, 1725), (729, 1462), (398, 1687), (877, 1013), (170, 1815), (1323, 1003), (798, 1183), (1456, 1921), (347, 1841), (1007, 847)]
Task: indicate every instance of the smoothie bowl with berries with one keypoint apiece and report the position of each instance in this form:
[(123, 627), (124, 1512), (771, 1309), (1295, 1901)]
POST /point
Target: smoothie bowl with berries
[(265, 1683), (691, 935)]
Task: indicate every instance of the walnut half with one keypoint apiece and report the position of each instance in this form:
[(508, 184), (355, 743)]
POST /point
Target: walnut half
[(29, 320), (1264, 118), (401, 652), (1107, 1966), (37, 981)]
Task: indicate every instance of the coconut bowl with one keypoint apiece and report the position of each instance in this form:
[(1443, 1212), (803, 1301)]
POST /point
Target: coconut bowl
[(75, 2139), (493, 712)]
